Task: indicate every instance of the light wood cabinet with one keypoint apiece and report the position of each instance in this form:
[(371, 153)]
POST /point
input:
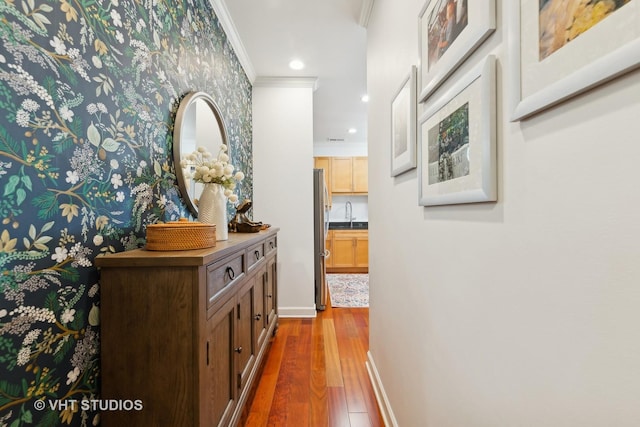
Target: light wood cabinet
[(187, 331), (328, 245), (344, 175), (349, 175), (360, 174), (341, 175), (324, 163), (362, 250), (349, 251)]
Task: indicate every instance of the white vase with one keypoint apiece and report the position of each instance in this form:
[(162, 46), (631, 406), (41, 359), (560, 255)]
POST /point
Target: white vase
[(212, 209)]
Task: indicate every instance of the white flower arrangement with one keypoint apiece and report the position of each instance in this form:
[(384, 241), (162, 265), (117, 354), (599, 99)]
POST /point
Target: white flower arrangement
[(213, 170)]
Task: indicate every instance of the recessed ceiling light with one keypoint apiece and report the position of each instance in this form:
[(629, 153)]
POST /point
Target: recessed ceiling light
[(296, 64), (365, 98), (352, 130)]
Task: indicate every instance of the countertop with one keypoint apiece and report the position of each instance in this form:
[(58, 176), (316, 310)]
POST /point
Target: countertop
[(345, 225)]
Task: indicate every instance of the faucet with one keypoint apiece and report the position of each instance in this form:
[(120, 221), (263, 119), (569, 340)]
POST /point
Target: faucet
[(348, 213)]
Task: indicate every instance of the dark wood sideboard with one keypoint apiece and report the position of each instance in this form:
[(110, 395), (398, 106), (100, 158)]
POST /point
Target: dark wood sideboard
[(184, 333)]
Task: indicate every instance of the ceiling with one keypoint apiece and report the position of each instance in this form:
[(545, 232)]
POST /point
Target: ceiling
[(329, 36)]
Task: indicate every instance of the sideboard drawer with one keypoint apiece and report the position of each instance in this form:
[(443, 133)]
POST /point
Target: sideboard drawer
[(271, 244), (222, 274), (254, 254)]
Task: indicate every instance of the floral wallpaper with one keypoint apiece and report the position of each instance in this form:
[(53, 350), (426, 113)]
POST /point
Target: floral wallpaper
[(88, 95)]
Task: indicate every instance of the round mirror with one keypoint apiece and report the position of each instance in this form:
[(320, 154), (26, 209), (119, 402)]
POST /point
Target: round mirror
[(198, 124)]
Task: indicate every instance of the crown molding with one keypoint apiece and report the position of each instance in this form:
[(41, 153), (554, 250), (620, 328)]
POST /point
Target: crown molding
[(300, 82), (221, 11), (365, 12)]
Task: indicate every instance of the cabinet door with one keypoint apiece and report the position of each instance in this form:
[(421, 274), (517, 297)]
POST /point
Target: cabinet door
[(220, 375), (328, 245), (245, 339), (271, 294), (362, 251), (360, 175), (343, 250), (325, 164), (341, 175), (260, 308)]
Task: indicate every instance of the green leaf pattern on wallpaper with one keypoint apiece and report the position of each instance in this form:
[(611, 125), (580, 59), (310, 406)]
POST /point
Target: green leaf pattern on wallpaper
[(88, 95)]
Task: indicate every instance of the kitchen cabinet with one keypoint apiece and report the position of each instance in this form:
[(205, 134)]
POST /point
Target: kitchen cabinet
[(328, 245), (349, 251), (344, 175), (324, 163), (349, 175), (186, 332), (362, 250), (360, 174)]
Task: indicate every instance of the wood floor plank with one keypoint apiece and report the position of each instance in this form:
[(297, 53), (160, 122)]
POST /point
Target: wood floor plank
[(300, 387), (279, 406), (361, 320), (319, 413), (298, 415), (359, 419), (350, 325), (294, 327), (338, 412), (332, 355), (367, 390), (353, 387)]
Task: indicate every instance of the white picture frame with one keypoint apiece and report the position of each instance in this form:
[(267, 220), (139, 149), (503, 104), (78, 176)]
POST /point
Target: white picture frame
[(475, 21), (452, 171), (404, 125), (605, 51)]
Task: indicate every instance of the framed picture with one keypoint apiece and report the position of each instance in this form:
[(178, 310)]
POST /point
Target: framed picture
[(457, 141), (449, 31), (403, 126), (558, 49)]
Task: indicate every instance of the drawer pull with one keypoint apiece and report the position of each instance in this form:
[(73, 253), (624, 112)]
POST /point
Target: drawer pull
[(257, 254), (238, 350), (271, 245), (258, 317), (230, 273), (270, 296)]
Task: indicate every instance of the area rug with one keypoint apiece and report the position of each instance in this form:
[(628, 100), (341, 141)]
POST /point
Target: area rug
[(348, 290)]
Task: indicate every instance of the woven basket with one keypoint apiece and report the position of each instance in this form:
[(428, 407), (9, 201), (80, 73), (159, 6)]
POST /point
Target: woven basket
[(180, 236)]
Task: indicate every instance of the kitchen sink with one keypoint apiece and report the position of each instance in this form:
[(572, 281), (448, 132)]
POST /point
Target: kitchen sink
[(355, 225)]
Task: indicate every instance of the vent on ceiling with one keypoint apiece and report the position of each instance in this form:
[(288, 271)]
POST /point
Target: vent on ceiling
[(335, 139)]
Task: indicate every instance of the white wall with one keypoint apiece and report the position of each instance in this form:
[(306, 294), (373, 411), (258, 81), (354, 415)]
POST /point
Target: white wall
[(522, 312), (283, 184), (337, 149)]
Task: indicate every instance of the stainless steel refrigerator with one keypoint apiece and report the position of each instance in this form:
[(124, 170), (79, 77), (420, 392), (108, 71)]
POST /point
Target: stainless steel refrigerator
[(321, 211)]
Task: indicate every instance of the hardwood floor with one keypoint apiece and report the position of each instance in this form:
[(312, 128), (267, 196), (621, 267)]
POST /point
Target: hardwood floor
[(315, 374)]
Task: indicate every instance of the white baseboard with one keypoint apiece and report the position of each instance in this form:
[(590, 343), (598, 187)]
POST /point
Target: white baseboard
[(296, 312), (383, 401)]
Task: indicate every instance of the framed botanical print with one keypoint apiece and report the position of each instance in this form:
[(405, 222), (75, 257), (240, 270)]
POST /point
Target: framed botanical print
[(457, 141)]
